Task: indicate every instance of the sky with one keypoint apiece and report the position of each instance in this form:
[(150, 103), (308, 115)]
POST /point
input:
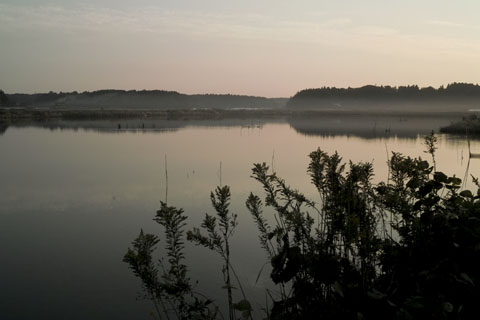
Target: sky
[(270, 48)]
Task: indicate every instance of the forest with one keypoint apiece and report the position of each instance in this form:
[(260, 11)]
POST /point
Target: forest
[(426, 98), (142, 99)]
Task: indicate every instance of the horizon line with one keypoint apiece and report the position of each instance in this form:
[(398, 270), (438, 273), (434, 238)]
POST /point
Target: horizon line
[(244, 95)]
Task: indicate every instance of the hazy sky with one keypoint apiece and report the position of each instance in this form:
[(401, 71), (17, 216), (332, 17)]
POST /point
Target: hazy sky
[(256, 47)]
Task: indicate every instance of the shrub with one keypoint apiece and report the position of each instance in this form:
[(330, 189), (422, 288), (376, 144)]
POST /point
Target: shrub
[(407, 248)]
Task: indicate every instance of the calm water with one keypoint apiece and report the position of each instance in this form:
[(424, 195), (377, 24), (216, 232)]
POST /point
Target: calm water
[(71, 201)]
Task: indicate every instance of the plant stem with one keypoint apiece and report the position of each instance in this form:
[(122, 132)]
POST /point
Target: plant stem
[(166, 179)]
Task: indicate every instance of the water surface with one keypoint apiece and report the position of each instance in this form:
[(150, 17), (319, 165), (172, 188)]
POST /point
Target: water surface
[(71, 201)]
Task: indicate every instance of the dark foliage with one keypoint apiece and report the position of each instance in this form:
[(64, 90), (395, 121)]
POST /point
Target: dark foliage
[(407, 248), (217, 239), (413, 91), (467, 126), (167, 285), (3, 99), (326, 257), (456, 91), (432, 268), (141, 99)]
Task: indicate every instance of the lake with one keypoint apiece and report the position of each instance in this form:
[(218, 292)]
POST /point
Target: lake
[(73, 196)]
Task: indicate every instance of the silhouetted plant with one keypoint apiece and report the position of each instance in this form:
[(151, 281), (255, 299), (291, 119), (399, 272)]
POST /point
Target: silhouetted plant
[(141, 262), (217, 240), (431, 268), (359, 264), (407, 248), (170, 290), (431, 144), (325, 264)]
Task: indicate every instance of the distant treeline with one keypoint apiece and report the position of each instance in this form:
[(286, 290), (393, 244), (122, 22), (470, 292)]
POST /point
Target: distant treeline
[(151, 99), (3, 99), (453, 97), (340, 97)]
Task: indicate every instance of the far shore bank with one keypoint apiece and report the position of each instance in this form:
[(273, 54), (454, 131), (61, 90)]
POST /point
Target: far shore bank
[(12, 115), (362, 123)]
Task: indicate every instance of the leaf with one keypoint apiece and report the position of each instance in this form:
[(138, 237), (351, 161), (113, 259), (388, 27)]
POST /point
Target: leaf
[(229, 286), (447, 306), (466, 194), (440, 177), (454, 180), (417, 205), (338, 289), (376, 295), (413, 183), (414, 302), (244, 306), (260, 272), (423, 165), (465, 277), (426, 188)]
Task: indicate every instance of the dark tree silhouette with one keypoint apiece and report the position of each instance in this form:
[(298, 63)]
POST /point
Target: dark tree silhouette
[(3, 99), (387, 93)]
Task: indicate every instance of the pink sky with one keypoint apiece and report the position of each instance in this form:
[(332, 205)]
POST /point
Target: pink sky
[(273, 49)]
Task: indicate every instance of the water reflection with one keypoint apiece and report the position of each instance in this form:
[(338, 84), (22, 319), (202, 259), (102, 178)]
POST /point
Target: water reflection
[(360, 125), (368, 126), (139, 125)]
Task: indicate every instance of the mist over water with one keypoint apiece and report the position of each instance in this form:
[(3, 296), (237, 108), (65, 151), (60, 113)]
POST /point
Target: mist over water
[(71, 201)]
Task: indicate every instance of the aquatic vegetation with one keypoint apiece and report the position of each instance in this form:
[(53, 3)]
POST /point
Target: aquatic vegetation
[(167, 284), (406, 248)]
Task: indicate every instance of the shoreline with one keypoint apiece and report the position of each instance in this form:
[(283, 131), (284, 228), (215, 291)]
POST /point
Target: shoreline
[(13, 115), (362, 123)]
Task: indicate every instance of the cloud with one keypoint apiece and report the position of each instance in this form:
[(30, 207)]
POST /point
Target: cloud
[(160, 21), (319, 30), (444, 23), (375, 31), (337, 22)]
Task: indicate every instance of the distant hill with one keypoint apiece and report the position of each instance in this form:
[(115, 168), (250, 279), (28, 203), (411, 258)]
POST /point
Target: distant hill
[(133, 99), (454, 97)]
